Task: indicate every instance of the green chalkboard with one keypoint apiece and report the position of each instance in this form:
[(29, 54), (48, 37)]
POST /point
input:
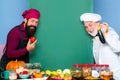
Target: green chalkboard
[(62, 39)]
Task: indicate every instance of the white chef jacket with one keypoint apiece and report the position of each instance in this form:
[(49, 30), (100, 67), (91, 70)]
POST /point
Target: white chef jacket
[(108, 53)]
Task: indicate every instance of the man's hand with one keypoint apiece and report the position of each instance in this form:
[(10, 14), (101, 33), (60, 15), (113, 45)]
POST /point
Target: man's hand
[(104, 28), (31, 46)]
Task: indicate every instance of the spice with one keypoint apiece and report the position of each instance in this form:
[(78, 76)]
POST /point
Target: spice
[(86, 70)]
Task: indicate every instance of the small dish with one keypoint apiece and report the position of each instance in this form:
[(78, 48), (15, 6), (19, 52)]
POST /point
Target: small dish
[(44, 78), (24, 76)]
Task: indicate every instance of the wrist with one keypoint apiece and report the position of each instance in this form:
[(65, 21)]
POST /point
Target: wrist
[(27, 49)]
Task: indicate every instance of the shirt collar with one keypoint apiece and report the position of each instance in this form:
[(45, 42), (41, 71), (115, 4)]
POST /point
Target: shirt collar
[(22, 28)]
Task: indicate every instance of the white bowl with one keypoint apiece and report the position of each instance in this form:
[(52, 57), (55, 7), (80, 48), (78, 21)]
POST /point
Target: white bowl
[(44, 78)]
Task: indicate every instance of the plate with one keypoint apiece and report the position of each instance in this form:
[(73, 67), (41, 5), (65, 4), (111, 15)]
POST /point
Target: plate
[(44, 78)]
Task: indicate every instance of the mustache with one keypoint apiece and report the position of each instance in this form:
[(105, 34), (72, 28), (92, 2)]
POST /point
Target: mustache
[(32, 27)]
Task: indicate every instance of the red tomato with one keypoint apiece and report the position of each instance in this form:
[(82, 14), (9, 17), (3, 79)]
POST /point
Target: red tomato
[(21, 72), (25, 72), (33, 39)]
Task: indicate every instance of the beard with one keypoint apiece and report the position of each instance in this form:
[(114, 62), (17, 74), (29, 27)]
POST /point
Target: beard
[(94, 33), (30, 30)]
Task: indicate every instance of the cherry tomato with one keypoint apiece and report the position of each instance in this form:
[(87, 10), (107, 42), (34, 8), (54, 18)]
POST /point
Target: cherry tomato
[(33, 39), (25, 72), (21, 72)]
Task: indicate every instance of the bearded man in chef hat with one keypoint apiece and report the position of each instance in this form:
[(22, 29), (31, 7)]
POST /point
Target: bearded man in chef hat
[(18, 43), (107, 52)]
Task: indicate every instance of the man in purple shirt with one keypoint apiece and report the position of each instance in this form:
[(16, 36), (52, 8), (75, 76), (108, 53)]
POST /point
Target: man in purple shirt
[(18, 40)]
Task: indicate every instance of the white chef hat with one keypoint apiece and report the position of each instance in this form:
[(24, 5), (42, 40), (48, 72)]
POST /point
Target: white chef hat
[(90, 17)]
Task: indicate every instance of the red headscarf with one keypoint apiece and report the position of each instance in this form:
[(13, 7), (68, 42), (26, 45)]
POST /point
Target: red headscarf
[(31, 13)]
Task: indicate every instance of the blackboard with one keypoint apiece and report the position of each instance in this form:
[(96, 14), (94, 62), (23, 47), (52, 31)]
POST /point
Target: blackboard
[(62, 39)]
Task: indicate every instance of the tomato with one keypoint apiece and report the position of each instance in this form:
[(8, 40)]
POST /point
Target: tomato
[(32, 39), (25, 72), (21, 72)]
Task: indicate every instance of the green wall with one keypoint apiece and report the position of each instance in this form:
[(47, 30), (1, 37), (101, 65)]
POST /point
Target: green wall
[(62, 39)]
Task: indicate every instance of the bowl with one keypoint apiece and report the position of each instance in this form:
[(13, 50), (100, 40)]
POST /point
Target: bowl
[(44, 78), (24, 76)]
